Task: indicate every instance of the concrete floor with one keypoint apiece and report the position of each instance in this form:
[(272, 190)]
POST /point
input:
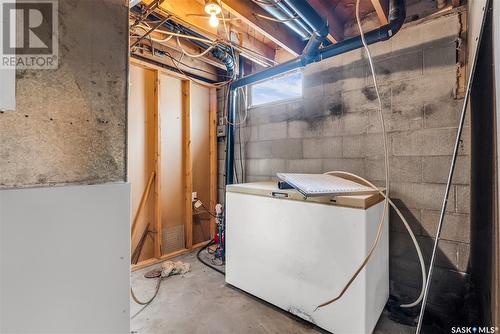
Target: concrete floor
[(200, 302)]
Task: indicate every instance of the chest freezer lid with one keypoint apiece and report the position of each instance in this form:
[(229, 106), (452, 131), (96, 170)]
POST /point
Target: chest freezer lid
[(270, 189)]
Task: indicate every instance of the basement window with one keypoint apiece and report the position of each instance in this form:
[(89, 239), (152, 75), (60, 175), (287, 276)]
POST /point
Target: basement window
[(280, 88)]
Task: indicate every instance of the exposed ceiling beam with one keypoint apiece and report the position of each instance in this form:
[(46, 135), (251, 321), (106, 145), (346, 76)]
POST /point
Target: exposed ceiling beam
[(172, 44), (198, 66), (245, 40), (381, 7), (275, 31), (191, 15), (335, 24)]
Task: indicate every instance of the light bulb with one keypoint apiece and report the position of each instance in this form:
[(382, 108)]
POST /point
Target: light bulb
[(213, 21)]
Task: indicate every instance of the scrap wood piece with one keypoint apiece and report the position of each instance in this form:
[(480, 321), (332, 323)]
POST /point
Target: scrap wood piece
[(136, 254)]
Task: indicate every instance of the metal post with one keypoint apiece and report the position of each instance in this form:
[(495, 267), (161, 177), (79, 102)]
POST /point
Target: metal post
[(230, 136)]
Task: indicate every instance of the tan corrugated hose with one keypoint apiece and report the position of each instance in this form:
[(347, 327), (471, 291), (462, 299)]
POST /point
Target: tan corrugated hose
[(385, 195)]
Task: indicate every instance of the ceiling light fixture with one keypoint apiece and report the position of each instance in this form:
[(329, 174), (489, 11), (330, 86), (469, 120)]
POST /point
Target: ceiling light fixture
[(213, 9)]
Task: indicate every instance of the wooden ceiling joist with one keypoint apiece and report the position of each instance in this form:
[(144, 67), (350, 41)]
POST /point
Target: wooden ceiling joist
[(204, 67), (275, 31), (335, 24), (191, 15), (381, 7)]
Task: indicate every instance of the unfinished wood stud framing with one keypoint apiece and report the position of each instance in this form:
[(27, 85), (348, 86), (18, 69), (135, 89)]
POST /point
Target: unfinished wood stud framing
[(381, 10), (188, 185), (156, 146), (152, 192)]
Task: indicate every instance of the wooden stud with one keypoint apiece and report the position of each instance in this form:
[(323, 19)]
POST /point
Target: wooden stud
[(187, 166), (335, 25), (188, 178), (213, 157), (381, 10), (157, 167)]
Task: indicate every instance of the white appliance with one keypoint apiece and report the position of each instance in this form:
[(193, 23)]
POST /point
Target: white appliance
[(297, 253)]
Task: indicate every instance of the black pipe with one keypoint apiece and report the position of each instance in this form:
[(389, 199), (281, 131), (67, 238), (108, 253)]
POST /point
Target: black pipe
[(231, 116), (198, 256), (396, 17)]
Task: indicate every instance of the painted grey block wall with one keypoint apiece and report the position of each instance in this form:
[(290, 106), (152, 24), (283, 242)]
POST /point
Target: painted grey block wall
[(64, 259), (336, 127), (70, 124)]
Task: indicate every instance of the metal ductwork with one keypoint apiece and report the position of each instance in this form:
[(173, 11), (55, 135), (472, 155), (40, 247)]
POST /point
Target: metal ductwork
[(311, 54), (281, 11)]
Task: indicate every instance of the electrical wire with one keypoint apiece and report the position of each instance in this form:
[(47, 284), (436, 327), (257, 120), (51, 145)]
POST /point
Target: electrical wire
[(269, 18), (387, 185), (187, 65), (214, 44), (267, 3), (241, 157), (245, 106), (174, 61), (228, 37), (144, 25), (405, 223), (207, 210), (206, 263), (140, 302), (255, 54), (166, 32), (241, 48), (217, 85), (226, 108)]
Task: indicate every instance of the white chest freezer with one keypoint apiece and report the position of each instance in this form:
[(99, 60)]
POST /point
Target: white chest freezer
[(297, 254)]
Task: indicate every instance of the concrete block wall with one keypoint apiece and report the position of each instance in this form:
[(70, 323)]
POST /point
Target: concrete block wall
[(335, 126)]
